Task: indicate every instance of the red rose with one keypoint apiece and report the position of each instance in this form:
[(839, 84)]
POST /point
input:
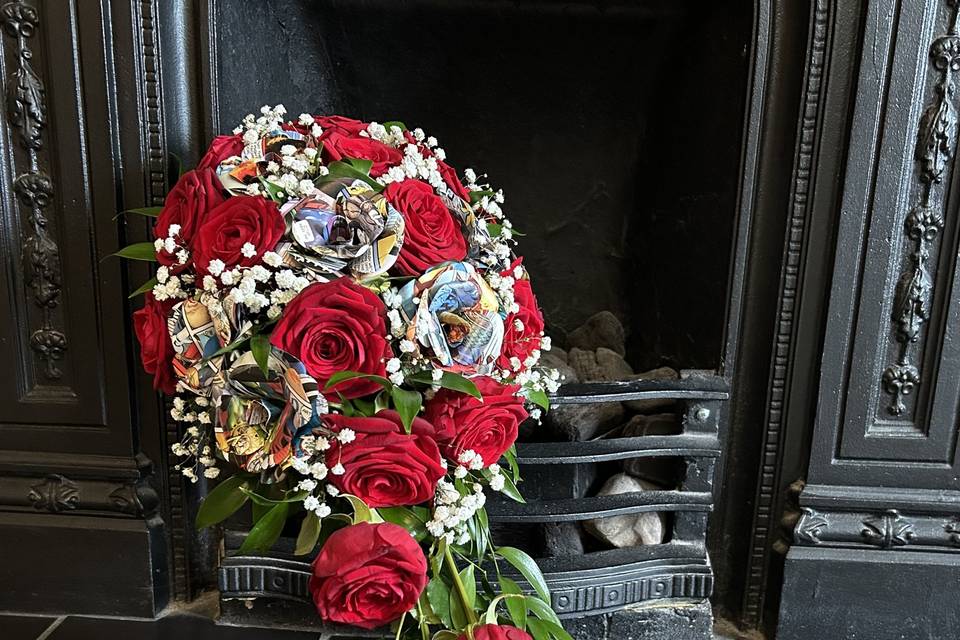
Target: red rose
[(336, 326), (488, 427), (449, 175), (340, 124), (384, 466), (156, 349), (497, 632), (236, 222), (337, 146), (431, 234), (521, 342), (368, 575), (220, 149), (194, 195)]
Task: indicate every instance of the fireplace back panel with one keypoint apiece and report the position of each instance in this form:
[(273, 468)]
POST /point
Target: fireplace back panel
[(614, 131)]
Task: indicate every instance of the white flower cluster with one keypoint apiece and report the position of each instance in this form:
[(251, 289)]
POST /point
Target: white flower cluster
[(417, 163), (170, 287), (173, 245), (292, 177), (194, 447), (452, 509), (497, 254), (315, 471), (257, 287)]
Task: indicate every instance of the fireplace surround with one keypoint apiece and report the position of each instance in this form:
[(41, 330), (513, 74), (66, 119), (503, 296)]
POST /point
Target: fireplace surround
[(732, 182)]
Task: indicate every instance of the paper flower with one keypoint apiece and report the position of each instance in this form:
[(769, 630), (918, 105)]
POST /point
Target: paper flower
[(259, 414), (344, 228), (454, 315)]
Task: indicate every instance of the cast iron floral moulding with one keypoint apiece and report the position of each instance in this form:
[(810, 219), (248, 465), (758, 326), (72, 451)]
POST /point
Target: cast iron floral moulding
[(26, 112), (936, 140)]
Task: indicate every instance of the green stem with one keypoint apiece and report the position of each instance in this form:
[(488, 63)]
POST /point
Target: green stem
[(458, 585)]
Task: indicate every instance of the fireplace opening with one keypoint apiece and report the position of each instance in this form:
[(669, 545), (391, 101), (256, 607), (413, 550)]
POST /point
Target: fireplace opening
[(614, 129)]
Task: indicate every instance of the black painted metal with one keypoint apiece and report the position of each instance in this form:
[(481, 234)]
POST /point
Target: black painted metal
[(81, 139), (882, 401), (597, 582), (78, 449)]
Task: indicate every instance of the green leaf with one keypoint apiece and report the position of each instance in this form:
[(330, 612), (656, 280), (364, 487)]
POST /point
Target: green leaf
[(273, 191), (259, 509), (469, 586), (542, 610), (359, 164), (341, 169), (150, 212), (539, 398), (364, 407), (394, 123), (538, 629), (227, 348), (554, 629), (510, 489), (496, 229), (178, 164), (449, 380), (510, 455), (381, 402), (346, 406), (425, 611), (457, 613), (146, 286), (477, 196), (408, 405), (138, 251), (256, 498), (222, 501), (343, 376), (516, 607), (406, 518), (266, 531), (446, 634), (308, 536), (361, 512), (438, 593), (260, 346), (527, 568)]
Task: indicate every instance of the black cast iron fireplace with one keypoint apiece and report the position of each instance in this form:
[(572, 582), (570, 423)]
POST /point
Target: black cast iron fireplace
[(629, 138), (589, 121)]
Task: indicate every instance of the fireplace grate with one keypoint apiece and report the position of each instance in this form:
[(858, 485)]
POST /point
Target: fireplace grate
[(600, 581)]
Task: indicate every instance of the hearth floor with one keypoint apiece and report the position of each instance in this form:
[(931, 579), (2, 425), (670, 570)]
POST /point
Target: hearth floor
[(173, 627)]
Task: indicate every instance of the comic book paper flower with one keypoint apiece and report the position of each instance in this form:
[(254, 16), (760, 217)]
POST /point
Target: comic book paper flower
[(259, 414), (345, 228), (454, 315), (198, 329)]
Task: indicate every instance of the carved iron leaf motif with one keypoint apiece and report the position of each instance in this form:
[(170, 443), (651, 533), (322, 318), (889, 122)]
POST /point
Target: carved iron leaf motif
[(899, 381), (55, 494), (26, 111), (810, 526), (888, 530), (25, 92), (936, 142)]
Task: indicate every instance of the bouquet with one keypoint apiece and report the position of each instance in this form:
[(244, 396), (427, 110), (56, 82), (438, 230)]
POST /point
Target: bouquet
[(351, 343)]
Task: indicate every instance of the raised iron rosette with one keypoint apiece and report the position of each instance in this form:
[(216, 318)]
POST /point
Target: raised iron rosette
[(344, 228), (199, 329), (260, 413), (455, 318)]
